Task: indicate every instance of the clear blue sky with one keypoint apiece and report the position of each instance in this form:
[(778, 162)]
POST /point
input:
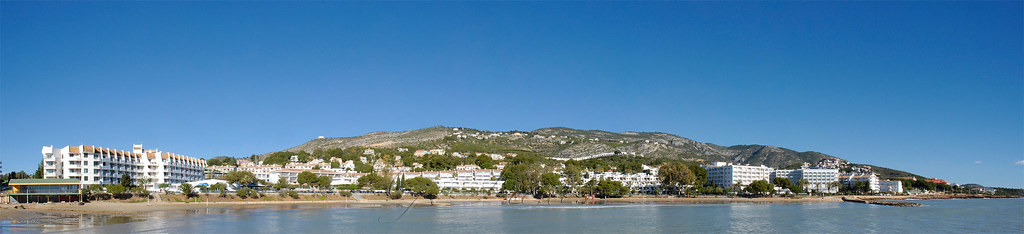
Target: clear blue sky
[(933, 88)]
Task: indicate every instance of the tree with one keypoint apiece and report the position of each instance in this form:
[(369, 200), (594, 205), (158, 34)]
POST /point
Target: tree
[(573, 176), (241, 178), (363, 167), (396, 192), (674, 176), (861, 186), (521, 178), (835, 185), (700, 174), (306, 178), (220, 188), (484, 162), (802, 183), (441, 162), (126, 180), (243, 192), (222, 160), (116, 190), (163, 187), (335, 165), (782, 182), (323, 182), (144, 182), (39, 171), (607, 188), (550, 183), (317, 167), (187, 190), (282, 183), (424, 187), (760, 187), (374, 181), (92, 191)]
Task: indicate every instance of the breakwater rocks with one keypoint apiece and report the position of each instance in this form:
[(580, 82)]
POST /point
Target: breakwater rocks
[(962, 196), (884, 203)]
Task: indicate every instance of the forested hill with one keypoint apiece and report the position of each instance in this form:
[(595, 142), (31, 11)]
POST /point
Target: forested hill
[(563, 142)]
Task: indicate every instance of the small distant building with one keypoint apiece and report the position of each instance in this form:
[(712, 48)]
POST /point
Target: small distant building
[(294, 158), (497, 157), (403, 149), (937, 181), (419, 153), (46, 190), (368, 151), (467, 167)]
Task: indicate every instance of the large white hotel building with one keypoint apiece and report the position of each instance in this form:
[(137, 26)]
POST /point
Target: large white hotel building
[(98, 165), (818, 178), (726, 175)]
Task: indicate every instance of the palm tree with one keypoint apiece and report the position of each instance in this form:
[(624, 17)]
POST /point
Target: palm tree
[(205, 190), (186, 189), (834, 184), (803, 185), (145, 185)]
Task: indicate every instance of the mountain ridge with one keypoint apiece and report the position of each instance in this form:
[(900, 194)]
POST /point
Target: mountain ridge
[(564, 142)]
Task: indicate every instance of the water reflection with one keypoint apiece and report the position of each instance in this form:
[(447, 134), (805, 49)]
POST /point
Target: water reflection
[(968, 216), (56, 222)]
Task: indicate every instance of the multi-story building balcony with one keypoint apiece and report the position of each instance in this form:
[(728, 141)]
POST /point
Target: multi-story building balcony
[(97, 165)]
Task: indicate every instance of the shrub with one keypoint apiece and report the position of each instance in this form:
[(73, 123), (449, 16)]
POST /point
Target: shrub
[(242, 192), (293, 194)]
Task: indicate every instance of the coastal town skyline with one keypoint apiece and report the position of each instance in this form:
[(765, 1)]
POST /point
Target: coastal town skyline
[(938, 93)]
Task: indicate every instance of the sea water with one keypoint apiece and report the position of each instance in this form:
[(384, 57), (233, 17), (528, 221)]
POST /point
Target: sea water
[(935, 216)]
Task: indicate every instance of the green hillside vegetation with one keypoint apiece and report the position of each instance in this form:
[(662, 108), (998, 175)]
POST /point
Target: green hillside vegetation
[(221, 161), (540, 144), (888, 172)]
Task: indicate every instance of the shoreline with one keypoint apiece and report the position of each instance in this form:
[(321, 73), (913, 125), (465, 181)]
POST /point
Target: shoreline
[(116, 208)]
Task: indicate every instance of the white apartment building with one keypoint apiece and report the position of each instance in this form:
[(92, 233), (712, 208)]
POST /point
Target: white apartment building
[(726, 175), (818, 178), (644, 182), (849, 178), (259, 170), (457, 180), (98, 165), (893, 186), (460, 179), (309, 165), (337, 178)]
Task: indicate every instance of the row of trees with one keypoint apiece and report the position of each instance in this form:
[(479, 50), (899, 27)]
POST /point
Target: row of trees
[(418, 186)]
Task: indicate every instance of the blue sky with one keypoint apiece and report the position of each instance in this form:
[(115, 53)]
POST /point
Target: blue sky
[(933, 88)]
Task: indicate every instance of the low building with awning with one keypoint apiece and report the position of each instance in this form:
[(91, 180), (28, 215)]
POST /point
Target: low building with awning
[(46, 190)]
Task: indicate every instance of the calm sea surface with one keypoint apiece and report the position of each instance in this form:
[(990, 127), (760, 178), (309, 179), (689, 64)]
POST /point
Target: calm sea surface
[(936, 216)]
